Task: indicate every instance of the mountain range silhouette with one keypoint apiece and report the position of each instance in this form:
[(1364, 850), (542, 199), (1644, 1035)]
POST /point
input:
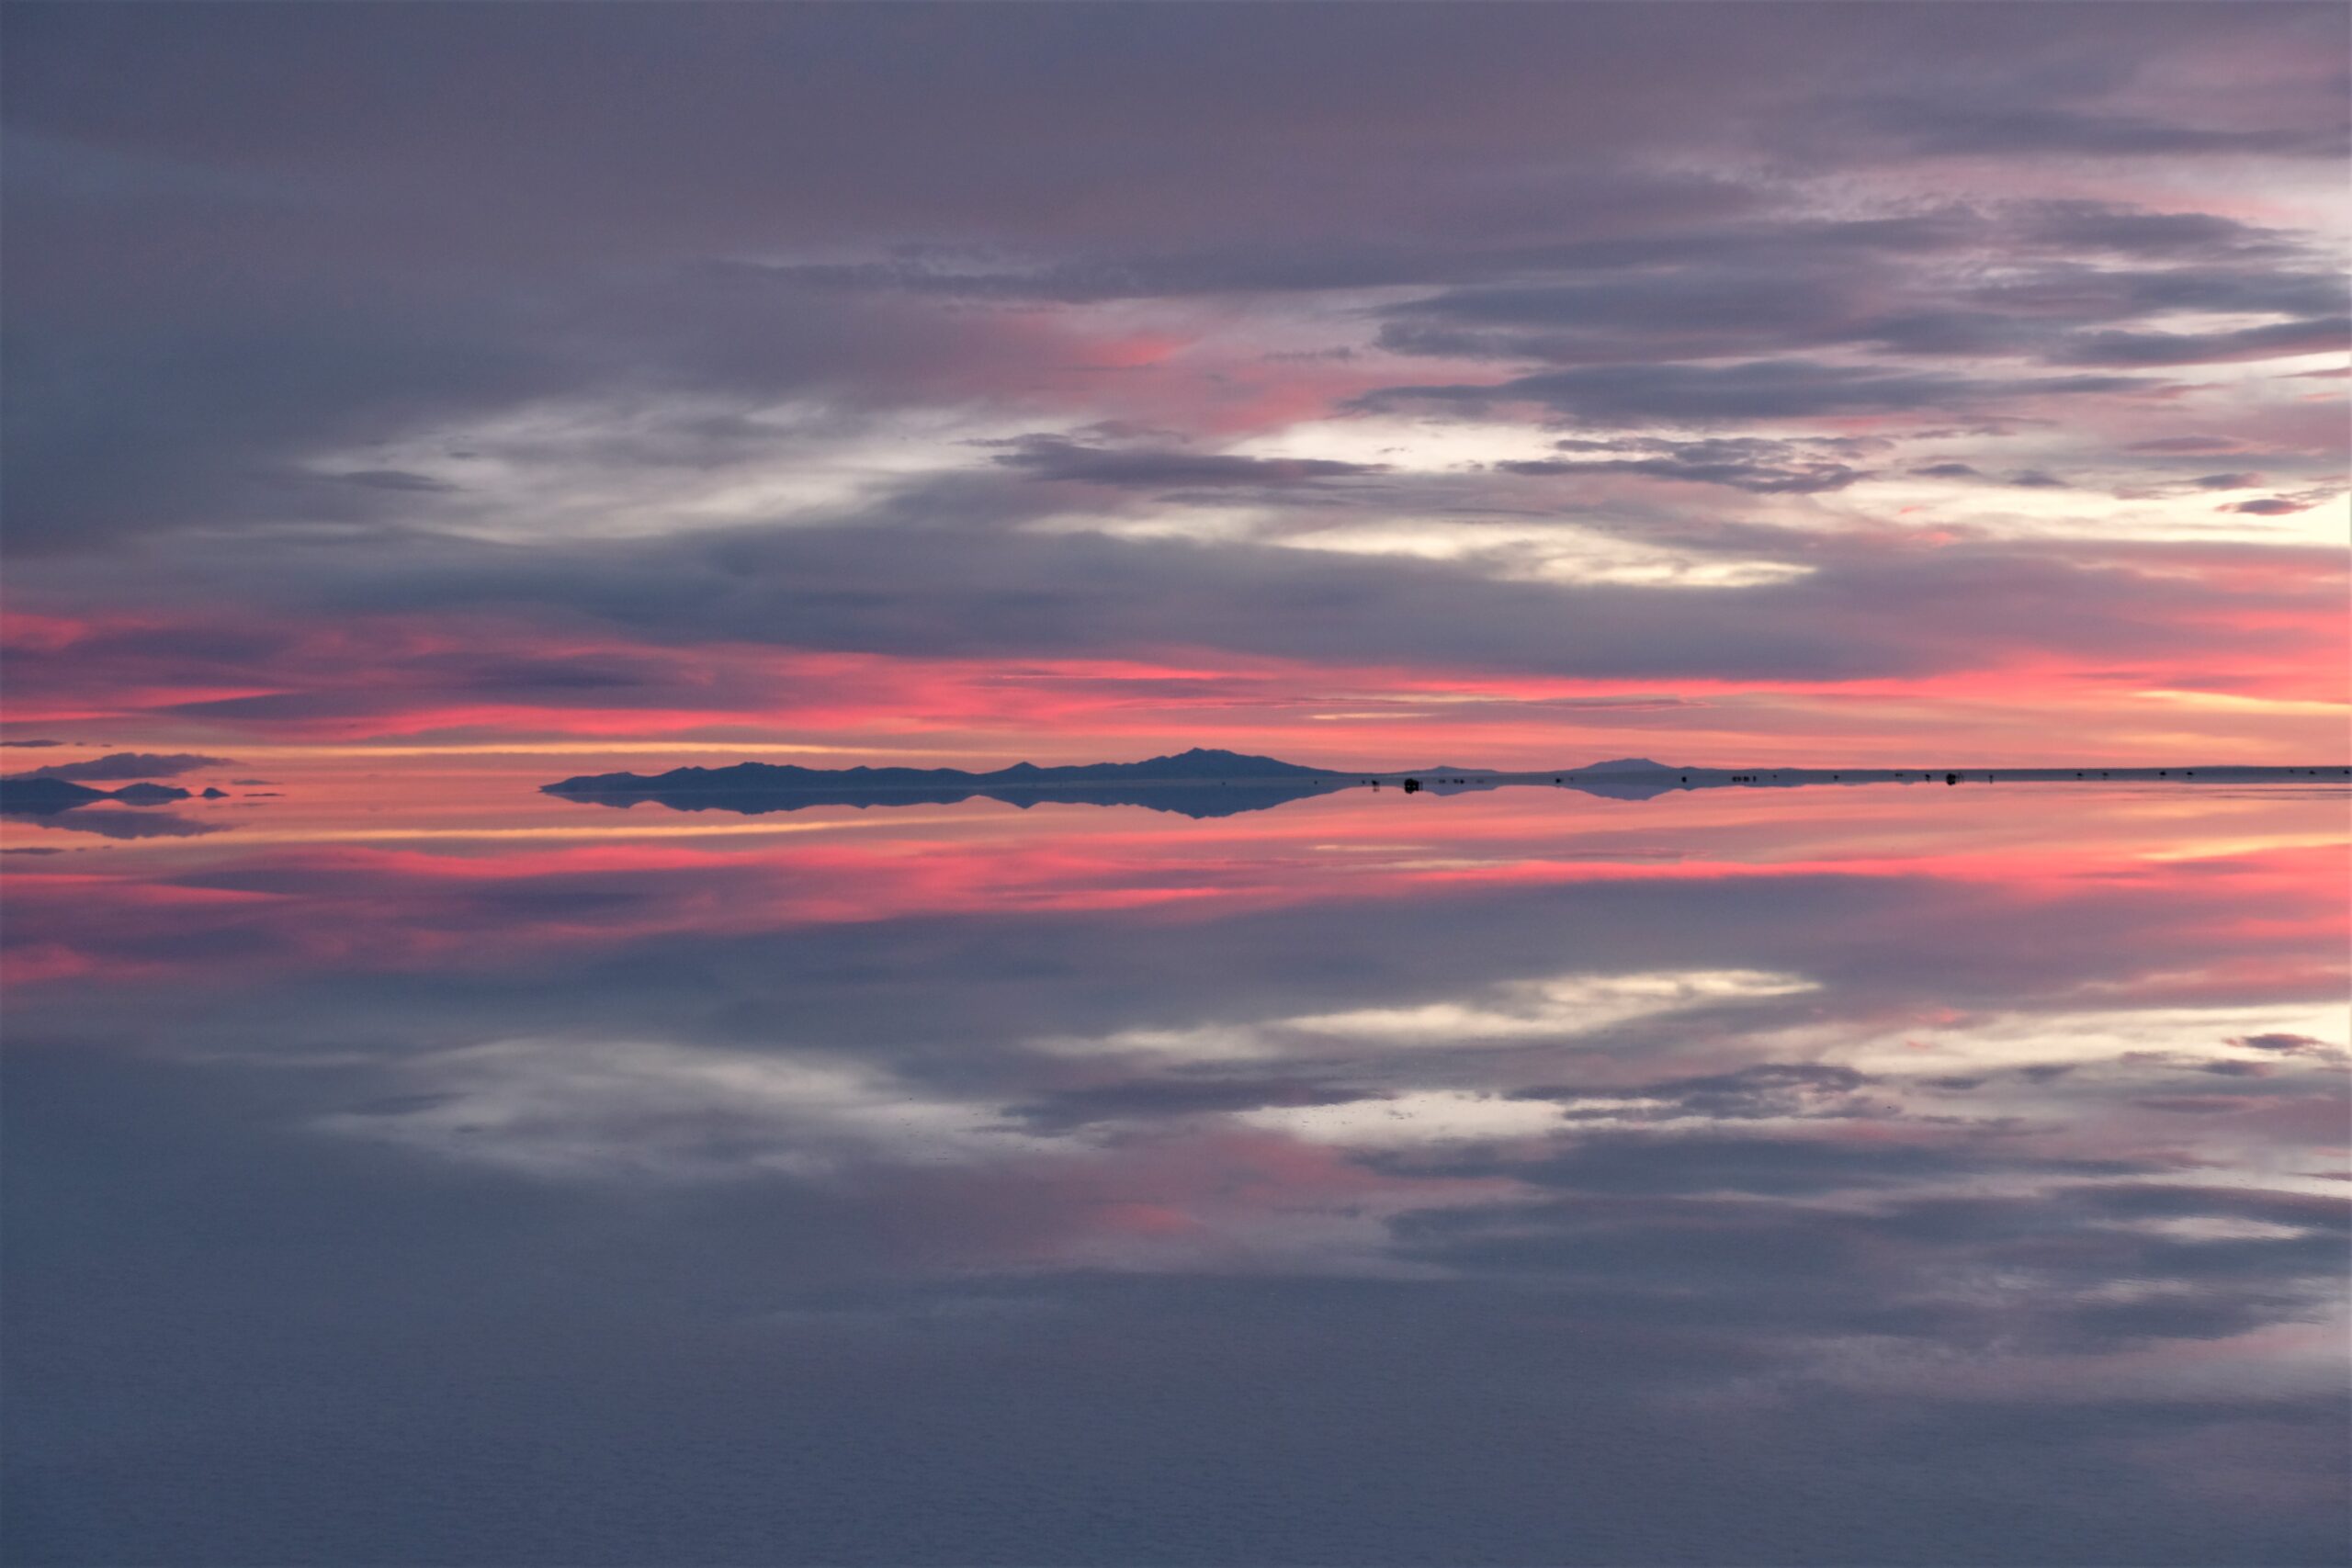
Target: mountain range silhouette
[(1204, 783)]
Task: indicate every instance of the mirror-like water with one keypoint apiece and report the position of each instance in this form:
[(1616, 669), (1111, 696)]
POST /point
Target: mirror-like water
[(1886, 1175)]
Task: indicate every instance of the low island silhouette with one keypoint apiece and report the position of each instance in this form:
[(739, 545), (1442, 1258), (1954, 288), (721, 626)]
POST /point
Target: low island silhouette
[(33, 796), (1203, 783)]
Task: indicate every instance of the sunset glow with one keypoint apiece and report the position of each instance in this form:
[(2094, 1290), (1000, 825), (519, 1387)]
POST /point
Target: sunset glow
[(1847, 421), (1396, 784)]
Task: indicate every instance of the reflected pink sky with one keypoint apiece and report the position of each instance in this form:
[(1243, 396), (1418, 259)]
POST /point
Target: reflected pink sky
[(2023, 1101)]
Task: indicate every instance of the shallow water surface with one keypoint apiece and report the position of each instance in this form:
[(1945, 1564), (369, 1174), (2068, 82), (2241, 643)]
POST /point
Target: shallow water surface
[(450, 1174)]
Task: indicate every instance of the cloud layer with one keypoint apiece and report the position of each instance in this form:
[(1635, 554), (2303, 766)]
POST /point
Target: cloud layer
[(1184, 338)]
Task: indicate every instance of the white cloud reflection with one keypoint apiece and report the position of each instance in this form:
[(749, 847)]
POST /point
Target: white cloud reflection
[(617, 1108), (1559, 1007)]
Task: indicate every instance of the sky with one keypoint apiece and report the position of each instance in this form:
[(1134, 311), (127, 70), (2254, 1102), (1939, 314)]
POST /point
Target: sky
[(1368, 387)]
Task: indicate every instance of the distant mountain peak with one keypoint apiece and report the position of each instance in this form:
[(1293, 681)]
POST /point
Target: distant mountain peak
[(1626, 765), (1206, 754)]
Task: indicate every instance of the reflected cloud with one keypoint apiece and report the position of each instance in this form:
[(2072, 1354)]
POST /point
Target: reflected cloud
[(1568, 1005), (606, 1109), (1516, 1011), (1916, 1121)]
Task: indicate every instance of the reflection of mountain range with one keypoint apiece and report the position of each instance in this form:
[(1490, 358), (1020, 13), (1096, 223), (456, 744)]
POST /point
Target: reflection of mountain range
[(109, 824), (1220, 784)]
